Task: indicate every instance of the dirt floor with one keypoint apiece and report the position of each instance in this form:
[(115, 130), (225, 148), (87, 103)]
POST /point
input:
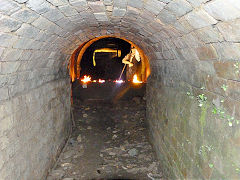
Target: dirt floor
[(110, 141)]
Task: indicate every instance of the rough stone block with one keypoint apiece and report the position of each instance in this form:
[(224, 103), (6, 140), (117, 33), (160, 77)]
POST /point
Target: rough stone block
[(97, 6), (206, 67), (167, 17), (223, 10), (230, 30), (6, 108), (109, 8), (120, 4), (25, 55), (40, 6), (2, 160), (1, 51), (200, 18), (108, 2), (59, 2), (79, 5), (9, 24), (9, 67), (53, 14), (118, 12), (6, 40), (185, 26), (28, 31), (25, 15), (206, 52), (196, 3), (192, 41), (101, 16), (42, 23), (209, 35), (165, 1), (42, 36), (154, 6), (135, 3), (227, 69), (214, 84), (23, 43), (21, 1), (7, 122), (3, 96), (179, 43), (65, 22), (228, 51), (179, 7), (4, 143), (11, 55), (233, 89), (8, 7), (68, 10)]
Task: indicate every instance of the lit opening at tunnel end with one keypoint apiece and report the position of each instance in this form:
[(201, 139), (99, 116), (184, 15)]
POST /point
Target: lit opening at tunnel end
[(132, 68), (74, 63)]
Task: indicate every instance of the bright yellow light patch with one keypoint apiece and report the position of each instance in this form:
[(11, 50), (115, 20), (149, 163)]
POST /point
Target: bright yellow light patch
[(86, 79), (106, 50), (135, 79)]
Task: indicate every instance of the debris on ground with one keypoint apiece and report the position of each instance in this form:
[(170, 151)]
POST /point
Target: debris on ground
[(110, 142), (137, 100)]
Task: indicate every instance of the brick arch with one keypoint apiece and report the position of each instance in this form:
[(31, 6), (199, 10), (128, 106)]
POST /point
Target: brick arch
[(193, 49), (74, 64)]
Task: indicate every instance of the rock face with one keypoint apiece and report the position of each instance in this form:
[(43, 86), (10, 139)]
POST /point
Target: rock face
[(188, 42)]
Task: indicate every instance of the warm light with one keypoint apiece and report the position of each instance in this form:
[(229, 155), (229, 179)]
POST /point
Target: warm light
[(109, 50), (101, 81), (94, 81), (86, 79), (119, 81), (135, 79)]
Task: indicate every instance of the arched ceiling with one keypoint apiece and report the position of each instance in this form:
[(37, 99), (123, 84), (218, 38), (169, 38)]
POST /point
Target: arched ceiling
[(35, 31)]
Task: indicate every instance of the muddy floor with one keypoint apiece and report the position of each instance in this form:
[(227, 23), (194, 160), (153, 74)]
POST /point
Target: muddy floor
[(110, 141)]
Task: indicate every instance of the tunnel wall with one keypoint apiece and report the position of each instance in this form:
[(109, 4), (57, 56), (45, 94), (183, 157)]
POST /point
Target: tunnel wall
[(34, 103), (34, 127), (191, 44), (193, 111), (34, 94)]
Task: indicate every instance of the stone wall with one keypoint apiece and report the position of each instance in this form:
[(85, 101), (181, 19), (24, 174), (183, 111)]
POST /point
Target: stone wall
[(34, 127), (193, 113), (190, 44)]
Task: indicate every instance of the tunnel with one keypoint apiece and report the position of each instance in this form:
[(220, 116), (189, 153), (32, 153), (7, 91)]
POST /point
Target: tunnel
[(192, 93)]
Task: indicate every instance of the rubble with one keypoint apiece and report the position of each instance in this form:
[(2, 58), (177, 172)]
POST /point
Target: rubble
[(113, 141), (79, 138), (133, 152)]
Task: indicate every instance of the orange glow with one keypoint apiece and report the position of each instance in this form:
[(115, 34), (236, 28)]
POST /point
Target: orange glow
[(101, 81), (135, 79), (74, 63), (86, 79)]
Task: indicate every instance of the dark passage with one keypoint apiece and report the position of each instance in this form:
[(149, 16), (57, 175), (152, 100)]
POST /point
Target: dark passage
[(110, 141), (108, 64), (110, 137)]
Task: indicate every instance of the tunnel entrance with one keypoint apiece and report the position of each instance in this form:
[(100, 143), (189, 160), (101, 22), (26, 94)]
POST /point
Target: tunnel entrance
[(110, 137), (117, 68), (103, 59)]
